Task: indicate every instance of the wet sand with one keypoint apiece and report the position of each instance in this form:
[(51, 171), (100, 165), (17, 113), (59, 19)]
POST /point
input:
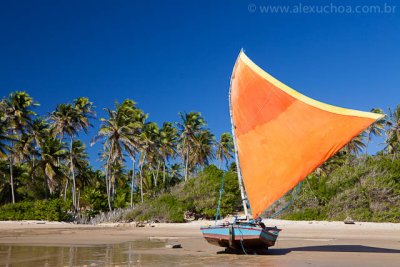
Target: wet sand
[(300, 244)]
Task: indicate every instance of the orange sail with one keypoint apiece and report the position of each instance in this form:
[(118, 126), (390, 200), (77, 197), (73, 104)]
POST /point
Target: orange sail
[(282, 135)]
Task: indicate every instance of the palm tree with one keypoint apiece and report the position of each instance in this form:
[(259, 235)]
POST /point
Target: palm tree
[(17, 111), (112, 133), (4, 139), (121, 131), (53, 150), (393, 132), (77, 157), (25, 149), (168, 140), (203, 149), (375, 129), (174, 175), (135, 119), (192, 123), (224, 148), (68, 120), (149, 151), (356, 145), (40, 128)]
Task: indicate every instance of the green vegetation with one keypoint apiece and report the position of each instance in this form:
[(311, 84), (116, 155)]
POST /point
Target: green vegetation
[(198, 196), (367, 190), (51, 210), (154, 172)]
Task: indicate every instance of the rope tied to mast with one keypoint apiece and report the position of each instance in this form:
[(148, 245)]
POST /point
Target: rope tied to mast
[(221, 190), (288, 204)]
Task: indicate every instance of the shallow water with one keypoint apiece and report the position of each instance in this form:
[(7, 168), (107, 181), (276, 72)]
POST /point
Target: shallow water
[(136, 253), (152, 252), (125, 254)]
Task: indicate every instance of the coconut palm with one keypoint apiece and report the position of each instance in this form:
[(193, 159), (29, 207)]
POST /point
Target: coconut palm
[(375, 129), (203, 149), (135, 119), (224, 149), (25, 149), (112, 133), (356, 145), (77, 157), (17, 113), (68, 120), (174, 175), (53, 151), (393, 132), (85, 111), (168, 140), (3, 134), (39, 130), (191, 124), (120, 132), (4, 140), (153, 149), (149, 152)]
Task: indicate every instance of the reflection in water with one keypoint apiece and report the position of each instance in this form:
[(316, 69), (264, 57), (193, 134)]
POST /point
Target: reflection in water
[(152, 252), (125, 254)]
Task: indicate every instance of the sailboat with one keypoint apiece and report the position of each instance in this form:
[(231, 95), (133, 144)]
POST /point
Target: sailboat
[(280, 136)]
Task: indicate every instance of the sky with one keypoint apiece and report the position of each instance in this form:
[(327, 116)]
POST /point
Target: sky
[(177, 56)]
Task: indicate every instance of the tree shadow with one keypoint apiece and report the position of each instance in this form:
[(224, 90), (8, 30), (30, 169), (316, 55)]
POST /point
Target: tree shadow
[(325, 248)]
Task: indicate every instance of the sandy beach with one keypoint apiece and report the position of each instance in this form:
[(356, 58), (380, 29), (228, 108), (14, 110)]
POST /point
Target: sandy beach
[(300, 244)]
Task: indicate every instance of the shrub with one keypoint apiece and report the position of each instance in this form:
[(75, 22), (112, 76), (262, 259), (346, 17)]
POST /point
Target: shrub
[(366, 191), (51, 210), (165, 208)]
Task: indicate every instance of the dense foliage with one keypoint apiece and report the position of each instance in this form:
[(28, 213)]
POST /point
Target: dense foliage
[(51, 210), (163, 172), (198, 196), (368, 190), (41, 157)]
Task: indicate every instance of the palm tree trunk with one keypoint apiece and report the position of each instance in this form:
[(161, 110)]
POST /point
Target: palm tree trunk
[(108, 188), (366, 148), (132, 180), (141, 188), (112, 181), (164, 173), (77, 200), (157, 172), (187, 164), (154, 177), (49, 185), (73, 176), (141, 177), (366, 145), (108, 179), (12, 178), (12, 170), (65, 190)]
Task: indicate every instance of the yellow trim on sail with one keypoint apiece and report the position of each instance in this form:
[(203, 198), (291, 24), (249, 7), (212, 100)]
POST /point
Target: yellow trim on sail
[(303, 98)]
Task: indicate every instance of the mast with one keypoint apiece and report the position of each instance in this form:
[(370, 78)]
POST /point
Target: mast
[(239, 173)]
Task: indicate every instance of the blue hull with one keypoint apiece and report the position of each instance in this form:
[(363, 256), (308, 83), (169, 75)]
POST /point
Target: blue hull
[(237, 235)]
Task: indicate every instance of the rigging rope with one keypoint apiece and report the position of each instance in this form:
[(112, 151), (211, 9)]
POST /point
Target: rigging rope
[(288, 204), (241, 241), (219, 201)]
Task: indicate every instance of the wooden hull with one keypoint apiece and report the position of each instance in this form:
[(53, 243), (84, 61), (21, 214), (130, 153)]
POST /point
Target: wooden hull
[(238, 236)]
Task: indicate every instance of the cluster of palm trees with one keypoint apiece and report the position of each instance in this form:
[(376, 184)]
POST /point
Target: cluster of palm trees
[(51, 161), (42, 157), (155, 150), (388, 126), (36, 145)]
